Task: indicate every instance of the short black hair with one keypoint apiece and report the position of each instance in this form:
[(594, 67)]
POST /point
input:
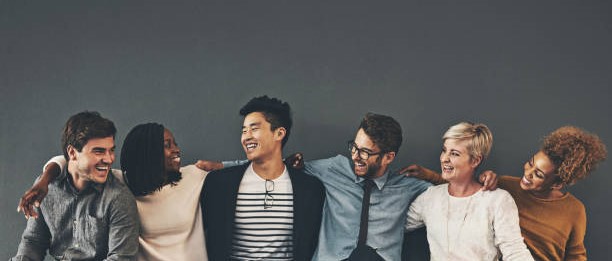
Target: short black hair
[(383, 130), (82, 127), (142, 160), (276, 112)]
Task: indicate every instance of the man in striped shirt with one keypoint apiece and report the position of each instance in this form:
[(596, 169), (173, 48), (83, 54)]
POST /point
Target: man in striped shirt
[(262, 210)]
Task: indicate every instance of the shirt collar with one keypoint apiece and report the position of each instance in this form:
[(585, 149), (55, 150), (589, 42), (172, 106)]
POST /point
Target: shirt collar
[(380, 181)]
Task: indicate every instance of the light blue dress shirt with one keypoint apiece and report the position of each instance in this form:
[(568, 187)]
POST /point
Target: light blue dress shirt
[(389, 204)]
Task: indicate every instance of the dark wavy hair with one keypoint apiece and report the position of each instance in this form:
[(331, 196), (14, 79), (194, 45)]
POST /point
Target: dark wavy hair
[(383, 130), (82, 127), (276, 112), (142, 160), (574, 152)]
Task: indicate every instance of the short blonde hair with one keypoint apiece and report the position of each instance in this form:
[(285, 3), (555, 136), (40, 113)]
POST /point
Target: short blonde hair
[(479, 136)]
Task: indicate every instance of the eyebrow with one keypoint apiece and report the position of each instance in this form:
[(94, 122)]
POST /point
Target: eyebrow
[(252, 125), (102, 148), (458, 151), (363, 148)]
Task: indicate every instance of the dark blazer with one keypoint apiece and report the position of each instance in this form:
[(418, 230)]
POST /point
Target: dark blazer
[(218, 201)]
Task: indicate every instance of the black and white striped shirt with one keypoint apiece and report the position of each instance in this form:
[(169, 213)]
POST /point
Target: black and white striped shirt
[(264, 221)]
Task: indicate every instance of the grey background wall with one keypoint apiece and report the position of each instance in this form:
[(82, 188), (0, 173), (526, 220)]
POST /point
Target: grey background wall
[(522, 68)]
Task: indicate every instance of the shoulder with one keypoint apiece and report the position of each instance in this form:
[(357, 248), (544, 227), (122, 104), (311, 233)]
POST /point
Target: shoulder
[(498, 198), (399, 179), (116, 190), (192, 169), (573, 204), (193, 172), (435, 191), (338, 160), (228, 171), (226, 174), (302, 179)]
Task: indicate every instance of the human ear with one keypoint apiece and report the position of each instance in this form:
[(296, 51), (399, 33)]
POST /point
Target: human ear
[(389, 157), (72, 152), (475, 161), (280, 133)]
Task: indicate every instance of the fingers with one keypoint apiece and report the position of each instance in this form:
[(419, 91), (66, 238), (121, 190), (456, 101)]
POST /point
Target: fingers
[(412, 170), (27, 204), (299, 160), (489, 180), (485, 182)]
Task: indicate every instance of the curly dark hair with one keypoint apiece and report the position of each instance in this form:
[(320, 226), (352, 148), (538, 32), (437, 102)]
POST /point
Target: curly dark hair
[(276, 112), (82, 127), (574, 152), (383, 130), (142, 160)]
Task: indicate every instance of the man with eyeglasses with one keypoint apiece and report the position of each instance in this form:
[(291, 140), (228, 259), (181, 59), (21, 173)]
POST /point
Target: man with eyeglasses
[(262, 210), (354, 228), (362, 188)]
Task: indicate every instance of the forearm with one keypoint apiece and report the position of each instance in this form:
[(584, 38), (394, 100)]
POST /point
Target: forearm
[(432, 177)]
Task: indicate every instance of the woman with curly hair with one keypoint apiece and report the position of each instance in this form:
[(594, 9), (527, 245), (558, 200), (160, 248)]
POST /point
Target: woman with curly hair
[(552, 220)]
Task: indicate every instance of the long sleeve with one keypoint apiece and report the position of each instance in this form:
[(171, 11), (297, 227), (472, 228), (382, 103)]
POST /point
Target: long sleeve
[(507, 231), (232, 163), (319, 167), (124, 228), (35, 240), (430, 176), (414, 217), (575, 249)]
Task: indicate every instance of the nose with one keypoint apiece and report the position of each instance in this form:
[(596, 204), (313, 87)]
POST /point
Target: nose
[(108, 157), (175, 149), (444, 157), (246, 134)]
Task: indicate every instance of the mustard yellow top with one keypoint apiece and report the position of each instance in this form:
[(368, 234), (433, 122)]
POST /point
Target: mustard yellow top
[(553, 229)]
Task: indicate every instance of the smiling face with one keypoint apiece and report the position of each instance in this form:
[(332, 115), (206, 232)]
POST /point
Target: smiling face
[(172, 153), (539, 175), (456, 162), (376, 164), (94, 161), (258, 139)]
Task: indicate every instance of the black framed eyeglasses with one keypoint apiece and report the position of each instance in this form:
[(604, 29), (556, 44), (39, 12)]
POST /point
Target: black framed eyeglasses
[(268, 199), (361, 152)]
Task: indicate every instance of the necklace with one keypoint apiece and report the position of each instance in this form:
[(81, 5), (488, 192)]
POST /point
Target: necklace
[(465, 214)]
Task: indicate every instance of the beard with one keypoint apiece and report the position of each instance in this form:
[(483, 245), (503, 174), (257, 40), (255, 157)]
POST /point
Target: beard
[(372, 169)]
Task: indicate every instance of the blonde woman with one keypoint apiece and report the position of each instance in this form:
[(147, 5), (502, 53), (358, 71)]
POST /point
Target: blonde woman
[(552, 220), (463, 221)]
